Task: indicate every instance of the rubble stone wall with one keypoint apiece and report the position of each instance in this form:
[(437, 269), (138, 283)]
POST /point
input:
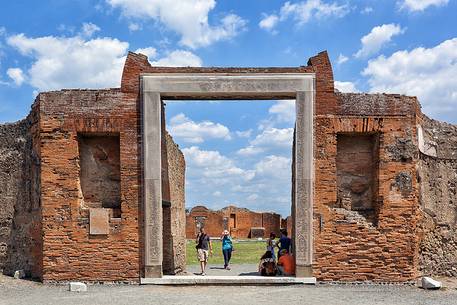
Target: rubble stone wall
[(438, 198), (20, 214)]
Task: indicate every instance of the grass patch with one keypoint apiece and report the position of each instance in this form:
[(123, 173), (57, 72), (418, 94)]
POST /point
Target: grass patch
[(246, 252)]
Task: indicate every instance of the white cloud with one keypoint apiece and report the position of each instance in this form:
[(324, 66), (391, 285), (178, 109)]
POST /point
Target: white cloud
[(76, 62), (269, 22), (273, 166), (217, 194), (377, 38), (179, 58), (420, 5), (252, 197), (346, 86), (211, 164), (342, 59), (188, 18), (250, 151), (189, 131), (16, 75), (274, 137), (244, 134), (284, 111), (88, 29), (133, 26), (429, 73), (367, 10), (150, 52), (304, 11), (72, 62)]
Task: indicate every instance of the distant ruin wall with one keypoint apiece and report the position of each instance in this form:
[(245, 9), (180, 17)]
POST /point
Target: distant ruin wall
[(438, 198), (20, 218), (240, 222)]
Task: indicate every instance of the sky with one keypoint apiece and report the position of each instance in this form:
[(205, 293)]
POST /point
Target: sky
[(236, 152)]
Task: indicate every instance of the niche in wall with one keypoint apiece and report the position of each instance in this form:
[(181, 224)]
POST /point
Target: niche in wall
[(100, 175), (357, 162)]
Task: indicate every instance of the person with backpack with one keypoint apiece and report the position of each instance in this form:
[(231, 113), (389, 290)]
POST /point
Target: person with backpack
[(267, 265), (204, 249), (227, 248)]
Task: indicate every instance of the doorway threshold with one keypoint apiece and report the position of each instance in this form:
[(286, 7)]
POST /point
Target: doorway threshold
[(226, 280)]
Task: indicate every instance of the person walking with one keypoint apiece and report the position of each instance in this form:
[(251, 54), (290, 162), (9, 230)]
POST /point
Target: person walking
[(227, 248), (204, 249)]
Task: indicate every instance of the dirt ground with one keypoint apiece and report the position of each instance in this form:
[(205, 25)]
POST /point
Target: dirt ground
[(30, 293)]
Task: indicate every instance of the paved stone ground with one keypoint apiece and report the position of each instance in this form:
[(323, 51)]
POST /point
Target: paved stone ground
[(238, 269), (25, 292)]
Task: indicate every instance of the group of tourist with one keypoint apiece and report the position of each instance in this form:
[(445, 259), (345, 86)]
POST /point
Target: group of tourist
[(270, 264), (285, 262)]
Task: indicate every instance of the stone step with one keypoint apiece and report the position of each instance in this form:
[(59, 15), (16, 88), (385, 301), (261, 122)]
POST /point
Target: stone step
[(226, 280)]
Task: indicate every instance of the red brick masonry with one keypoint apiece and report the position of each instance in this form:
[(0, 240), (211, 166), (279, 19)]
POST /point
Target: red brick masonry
[(367, 213), (240, 222)]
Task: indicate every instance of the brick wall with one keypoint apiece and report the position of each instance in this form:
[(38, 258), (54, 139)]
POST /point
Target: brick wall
[(211, 220), (238, 221), (69, 252), (348, 246), (41, 159)]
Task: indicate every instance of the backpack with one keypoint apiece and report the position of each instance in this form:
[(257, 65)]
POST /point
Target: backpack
[(268, 269)]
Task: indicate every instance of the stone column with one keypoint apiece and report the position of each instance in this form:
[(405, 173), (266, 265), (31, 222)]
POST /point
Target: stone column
[(304, 178), (152, 185)]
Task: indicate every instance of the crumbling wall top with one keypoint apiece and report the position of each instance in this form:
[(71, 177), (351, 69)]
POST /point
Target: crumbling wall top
[(377, 104)]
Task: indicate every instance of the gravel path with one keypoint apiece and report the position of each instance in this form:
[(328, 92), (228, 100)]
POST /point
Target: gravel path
[(30, 293), (238, 269)]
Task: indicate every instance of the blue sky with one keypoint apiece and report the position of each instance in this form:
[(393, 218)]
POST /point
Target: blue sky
[(398, 46)]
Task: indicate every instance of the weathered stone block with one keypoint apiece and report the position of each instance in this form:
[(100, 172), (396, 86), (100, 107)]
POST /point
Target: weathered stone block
[(429, 283), (19, 274), (99, 221), (77, 287)]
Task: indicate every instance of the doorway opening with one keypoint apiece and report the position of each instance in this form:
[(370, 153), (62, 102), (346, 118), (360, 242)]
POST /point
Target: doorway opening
[(238, 158)]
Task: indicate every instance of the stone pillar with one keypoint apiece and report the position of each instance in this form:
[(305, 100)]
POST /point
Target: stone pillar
[(304, 178), (152, 184)]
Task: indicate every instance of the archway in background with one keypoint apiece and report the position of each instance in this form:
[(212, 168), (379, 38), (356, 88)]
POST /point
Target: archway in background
[(228, 86)]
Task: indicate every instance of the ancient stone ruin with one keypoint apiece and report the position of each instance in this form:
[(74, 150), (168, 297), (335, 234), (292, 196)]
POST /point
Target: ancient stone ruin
[(73, 204), (240, 222)]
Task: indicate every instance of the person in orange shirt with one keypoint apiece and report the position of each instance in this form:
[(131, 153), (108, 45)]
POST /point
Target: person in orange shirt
[(286, 263)]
